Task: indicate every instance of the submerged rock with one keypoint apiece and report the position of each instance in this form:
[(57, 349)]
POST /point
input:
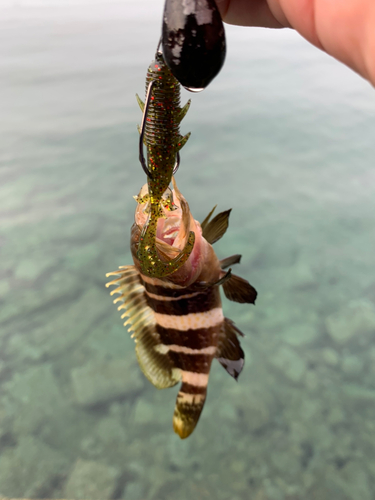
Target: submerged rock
[(252, 406), (352, 365), (91, 480), (104, 381), (302, 276), (134, 490), (359, 394), (349, 483), (4, 288), (355, 320), (57, 288), (289, 363), (255, 409), (35, 397), (62, 331), (31, 469), (30, 269), (330, 357), (108, 439), (300, 335)]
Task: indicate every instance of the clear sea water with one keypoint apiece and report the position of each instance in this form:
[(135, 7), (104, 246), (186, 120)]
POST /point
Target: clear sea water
[(285, 136)]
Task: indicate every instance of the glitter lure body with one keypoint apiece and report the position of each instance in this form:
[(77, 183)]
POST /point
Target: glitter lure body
[(162, 115)]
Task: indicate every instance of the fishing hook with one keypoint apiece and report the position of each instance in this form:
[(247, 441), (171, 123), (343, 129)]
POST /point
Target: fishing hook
[(142, 130)]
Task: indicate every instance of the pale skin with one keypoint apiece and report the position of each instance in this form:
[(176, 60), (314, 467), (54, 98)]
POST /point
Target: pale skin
[(345, 29)]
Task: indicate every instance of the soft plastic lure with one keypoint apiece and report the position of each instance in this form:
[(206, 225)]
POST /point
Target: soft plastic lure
[(159, 132)]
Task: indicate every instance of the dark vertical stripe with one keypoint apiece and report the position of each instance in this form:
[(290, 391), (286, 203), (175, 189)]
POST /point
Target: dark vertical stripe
[(196, 304), (198, 363), (165, 291), (195, 339), (192, 389)]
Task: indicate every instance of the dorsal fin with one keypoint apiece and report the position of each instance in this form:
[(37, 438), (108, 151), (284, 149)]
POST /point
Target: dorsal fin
[(229, 261), (239, 290), (156, 366), (213, 230), (229, 352)]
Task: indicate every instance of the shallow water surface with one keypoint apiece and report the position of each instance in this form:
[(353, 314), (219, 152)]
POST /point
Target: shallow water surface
[(284, 136)]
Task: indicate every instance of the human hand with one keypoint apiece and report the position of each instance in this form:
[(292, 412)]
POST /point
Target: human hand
[(345, 29)]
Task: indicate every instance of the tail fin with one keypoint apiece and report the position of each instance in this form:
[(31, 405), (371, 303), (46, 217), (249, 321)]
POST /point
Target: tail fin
[(189, 404)]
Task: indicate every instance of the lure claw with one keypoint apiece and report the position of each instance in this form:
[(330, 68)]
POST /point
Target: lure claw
[(183, 111), (140, 102)]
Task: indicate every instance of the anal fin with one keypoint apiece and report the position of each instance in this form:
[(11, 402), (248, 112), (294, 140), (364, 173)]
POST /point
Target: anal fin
[(229, 353)]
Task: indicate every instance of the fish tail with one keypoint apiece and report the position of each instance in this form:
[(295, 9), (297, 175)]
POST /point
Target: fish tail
[(189, 405)]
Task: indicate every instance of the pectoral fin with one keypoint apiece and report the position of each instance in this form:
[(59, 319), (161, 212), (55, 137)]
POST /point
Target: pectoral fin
[(155, 364), (229, 353), (239, 290), (213, 230)]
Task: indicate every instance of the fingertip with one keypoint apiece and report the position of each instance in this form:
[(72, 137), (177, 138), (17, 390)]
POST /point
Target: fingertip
[(254, 13)]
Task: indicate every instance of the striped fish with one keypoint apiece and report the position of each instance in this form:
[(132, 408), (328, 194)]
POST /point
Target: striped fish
[(177, 321)]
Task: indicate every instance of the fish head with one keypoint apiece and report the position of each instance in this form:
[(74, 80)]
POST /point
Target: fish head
[(175, 221)]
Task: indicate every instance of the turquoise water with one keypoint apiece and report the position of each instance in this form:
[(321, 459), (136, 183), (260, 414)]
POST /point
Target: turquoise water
[(285, 137)]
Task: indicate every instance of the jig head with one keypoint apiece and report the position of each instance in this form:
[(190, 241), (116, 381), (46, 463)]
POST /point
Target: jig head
[(193, 41)]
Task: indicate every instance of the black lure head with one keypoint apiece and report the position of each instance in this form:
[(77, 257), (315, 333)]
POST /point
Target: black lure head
[(193, 41)]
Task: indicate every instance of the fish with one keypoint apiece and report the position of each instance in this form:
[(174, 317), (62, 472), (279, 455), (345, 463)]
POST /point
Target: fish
[(177, 320)]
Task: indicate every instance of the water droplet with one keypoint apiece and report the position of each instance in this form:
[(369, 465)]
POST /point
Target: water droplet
[(192, 89)]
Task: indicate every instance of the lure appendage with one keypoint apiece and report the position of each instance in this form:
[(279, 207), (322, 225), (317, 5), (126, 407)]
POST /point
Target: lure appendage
[(150, 262)]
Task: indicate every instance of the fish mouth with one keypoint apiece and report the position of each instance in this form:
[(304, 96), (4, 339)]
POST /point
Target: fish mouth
[(168, 230)]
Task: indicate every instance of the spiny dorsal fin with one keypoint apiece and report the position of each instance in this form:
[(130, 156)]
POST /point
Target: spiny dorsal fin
[(156, 365), (215, 229), (205, 222), (229, 352), (229, 261), (239, 290)]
